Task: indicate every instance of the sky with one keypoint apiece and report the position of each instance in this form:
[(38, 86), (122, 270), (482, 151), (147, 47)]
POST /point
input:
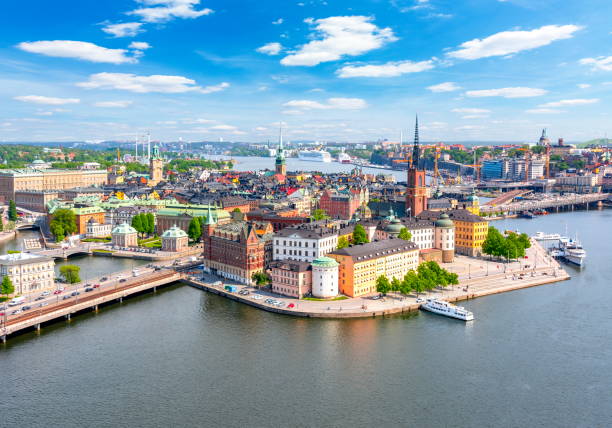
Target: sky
[(329, 70)]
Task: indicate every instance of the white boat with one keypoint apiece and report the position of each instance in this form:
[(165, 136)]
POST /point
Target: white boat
[(441, 307), (314, 156), (344, 158), (541, 236), (572, 251)]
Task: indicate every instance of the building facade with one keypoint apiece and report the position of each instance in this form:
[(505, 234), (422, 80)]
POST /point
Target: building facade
[(291, 278), (12, 180), (339, 205), (35, 200), (28, 272), (416, 191), (174, 240), (124, 236), (470, 230), (97, 230), (304, 242), (156, 168), (361, 265)]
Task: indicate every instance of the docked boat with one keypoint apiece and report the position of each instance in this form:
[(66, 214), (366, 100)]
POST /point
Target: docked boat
[(527, 214), (541, 236), (314, 156), (572, 251), (441, 307), (344, 158)]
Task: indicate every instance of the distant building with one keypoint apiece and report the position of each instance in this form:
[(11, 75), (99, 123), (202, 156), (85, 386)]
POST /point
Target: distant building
[(416, 192), (156, 168), (174, 240), (28, 272), (97, 230), (470, 230), (361, 265), (124, 235), (35, 200), (12, 180), (84, 214), (339, 205)]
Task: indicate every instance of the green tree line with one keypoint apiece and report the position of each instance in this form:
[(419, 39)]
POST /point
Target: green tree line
[(429, 275)]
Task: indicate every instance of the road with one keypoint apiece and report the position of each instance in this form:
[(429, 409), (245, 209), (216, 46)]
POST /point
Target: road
[(71, 293)]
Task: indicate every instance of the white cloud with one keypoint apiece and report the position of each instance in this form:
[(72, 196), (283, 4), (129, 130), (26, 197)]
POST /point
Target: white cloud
[(475, 116), (339, 36), (583, 85), (165, 10), (574, 102), (468, 110), (127, 29), (39, 99), (469, 128), (543, 111), (223, 128), (331, 104), (141, 46), (143, 84), (515, 92), (291, 112), (273, 48), (390, 69), (80, 50), (444, 87), (602, 63), (113, 104), (510, 42), (279, 21)]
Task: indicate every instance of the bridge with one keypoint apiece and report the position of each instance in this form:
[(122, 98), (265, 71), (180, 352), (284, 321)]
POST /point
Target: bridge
[(506, 197), (87, 301), (556, 203), (64, 253)]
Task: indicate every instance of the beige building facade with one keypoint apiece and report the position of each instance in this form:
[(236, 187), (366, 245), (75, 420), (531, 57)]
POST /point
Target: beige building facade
[(29, 273)]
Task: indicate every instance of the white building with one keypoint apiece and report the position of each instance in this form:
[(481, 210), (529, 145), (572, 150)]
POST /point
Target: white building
[(304, 242), (28, 272), (97, 230), (324, 278)]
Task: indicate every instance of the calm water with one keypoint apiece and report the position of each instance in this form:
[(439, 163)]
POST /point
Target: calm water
[(534, 357), (90, 266), (253, 163)]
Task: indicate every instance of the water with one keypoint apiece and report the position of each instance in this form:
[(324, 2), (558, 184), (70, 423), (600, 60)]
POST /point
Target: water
[(535, 357), (254, 163), (90, 266)]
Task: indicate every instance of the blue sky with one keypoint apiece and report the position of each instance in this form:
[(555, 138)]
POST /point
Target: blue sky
[(487, 70)]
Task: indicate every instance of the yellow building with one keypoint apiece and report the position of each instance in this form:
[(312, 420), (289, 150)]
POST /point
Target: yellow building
[(470, 230), (361, 265)]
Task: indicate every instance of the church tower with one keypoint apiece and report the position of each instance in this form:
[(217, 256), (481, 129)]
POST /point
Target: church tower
[(416, 193), (280, 165), (156, 168)]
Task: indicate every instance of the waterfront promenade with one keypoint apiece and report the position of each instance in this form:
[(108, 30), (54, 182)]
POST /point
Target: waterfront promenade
[(477, 278)]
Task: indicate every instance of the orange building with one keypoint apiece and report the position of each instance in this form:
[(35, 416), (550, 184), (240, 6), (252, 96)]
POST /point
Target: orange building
[(84, 214)]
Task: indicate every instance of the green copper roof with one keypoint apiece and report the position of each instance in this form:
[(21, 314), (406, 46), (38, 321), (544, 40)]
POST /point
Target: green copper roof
[(327, 262), (123, 229), (444, 221), (174, 232)]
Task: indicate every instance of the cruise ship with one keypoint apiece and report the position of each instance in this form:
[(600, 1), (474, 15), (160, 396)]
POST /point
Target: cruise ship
[(315, 156), (441, 307), (344, 158), (541, 236)]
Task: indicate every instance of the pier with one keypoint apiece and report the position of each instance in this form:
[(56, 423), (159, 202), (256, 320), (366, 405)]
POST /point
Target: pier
[(557, 204)]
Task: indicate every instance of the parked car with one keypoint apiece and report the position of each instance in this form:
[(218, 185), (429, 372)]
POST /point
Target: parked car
[(103, 279), (17, 312), (96, 286), (122, 280), (43, 304), (26, 308), (58, 292), (67, 296), (45, 293), (75, 293), (39, 298), (291, 305), (88, 289)]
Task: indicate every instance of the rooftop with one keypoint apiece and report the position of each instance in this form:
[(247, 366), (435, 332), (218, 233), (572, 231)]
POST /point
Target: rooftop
[(376, 249), (22, 259)]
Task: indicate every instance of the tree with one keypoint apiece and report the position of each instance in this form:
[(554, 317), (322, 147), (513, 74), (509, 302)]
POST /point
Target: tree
[(405, 234), (319, 214), (7, 286), (150, 223), (70, 273), (359, 235), (494, 243), (63, 224), (261, 278), (409, 282), (343, 242), (137, 223), (12, 211), (236, 210), (383, 285), (396, 285), (1, 224), (194, 231)]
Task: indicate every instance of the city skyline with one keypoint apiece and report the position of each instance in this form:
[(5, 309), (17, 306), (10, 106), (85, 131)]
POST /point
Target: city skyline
[(204, 70)]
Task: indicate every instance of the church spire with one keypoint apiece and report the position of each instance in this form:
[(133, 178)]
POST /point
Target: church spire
[(415, 148)]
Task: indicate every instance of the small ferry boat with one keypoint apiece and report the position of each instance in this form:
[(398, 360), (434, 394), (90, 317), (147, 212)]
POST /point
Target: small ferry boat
[(441, 307), (541, 236), (572, 251), (527, 214)]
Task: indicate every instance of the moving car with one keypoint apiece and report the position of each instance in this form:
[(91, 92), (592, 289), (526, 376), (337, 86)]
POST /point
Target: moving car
[(88, 289), (75, 293), (45, 293), (96, 286), (58, 291)]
